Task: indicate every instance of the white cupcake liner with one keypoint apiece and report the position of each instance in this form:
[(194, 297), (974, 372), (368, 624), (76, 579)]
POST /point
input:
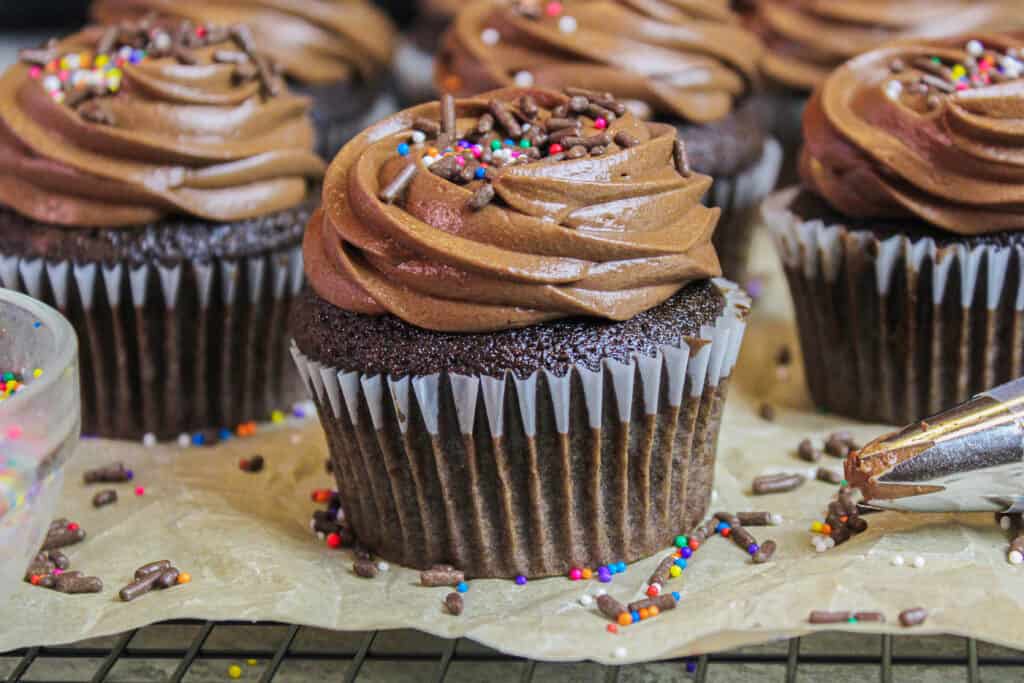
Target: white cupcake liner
[(503, 476), (172, 348), (895, 329)]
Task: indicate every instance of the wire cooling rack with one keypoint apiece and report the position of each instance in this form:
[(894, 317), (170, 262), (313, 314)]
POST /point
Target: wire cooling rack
[(199, 651)]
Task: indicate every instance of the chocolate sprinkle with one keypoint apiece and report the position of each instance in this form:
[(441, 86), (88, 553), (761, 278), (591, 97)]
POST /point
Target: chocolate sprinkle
[(396, 188), (482, 197)]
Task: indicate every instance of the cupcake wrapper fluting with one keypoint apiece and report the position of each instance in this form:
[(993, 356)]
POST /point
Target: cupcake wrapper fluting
[(166, 349), (507, 476), (740, 197), (895, 329)]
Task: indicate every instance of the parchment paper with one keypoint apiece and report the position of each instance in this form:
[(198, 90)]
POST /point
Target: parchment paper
[(246, 541)]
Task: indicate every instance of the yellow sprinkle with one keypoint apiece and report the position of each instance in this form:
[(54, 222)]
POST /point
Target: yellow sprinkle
[(675, 572), (959, 71), (102, 61), (816, 527), (235, 671), (37, 372), (251, 662), (277, 416), (64, 63)]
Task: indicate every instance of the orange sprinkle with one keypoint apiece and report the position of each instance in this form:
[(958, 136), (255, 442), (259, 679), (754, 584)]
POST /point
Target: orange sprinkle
[(184, 577), (587, 573), (36, 579), (612, 628), (844, 519), (625, 619), (826, 529), (653, 611), (644, 613), (451, 83)]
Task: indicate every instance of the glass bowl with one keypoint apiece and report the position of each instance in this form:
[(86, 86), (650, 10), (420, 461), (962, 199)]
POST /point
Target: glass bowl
[(39, 426)]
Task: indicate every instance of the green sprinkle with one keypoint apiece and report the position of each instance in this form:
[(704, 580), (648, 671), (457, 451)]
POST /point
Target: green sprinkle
[(852, 620), (681, 541), (495, 145), (843, 482), (936, 60), (524, 143)]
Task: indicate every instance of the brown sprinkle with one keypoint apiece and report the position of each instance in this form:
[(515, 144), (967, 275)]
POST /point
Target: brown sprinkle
[(767, 412), (756, 518), (625, 140), (157, 567), (577, 152), (660, 575), (105, 497), (428, 127), (365, 568), (777, 483), (441, 575), (610, 607), (448, 114), (828, 475), (808, 452), (765, 552), (482, 197), (662, 602), (826, 617), (529, 107), (869, 616), (507, 121), (396, 188), (74, 583), (454, 604), (578, 104), (681, 158), (914, 616)]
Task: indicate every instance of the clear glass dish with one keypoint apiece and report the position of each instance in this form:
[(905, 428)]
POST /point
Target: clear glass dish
[(39, 426)]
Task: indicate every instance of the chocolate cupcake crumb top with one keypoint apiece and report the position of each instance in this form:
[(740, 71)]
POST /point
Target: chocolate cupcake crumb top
[(926, 130), (125, 125), (689, 60), (513, 208)]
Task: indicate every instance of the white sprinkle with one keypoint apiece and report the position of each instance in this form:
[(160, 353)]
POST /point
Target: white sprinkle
[(830, 542), (897, 561), (1004, 522), (820, 546), (321, 535), (312, 524), (51, 83), (918, 562), (1011, 67), (893, 89), (295, 438), (586, 600), (524, 79), (149, 440), (162, 41), (383, 566), (184, 440), (526, 127), (619, 653), (418, 137), (776, 519), (714, 495), (568, 24), (599, 592), (428, 161), (817, 540), (490, 36), (975, 48), (1015, 557)]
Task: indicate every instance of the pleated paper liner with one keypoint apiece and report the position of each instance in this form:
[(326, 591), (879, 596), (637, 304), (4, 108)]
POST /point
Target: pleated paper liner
[(502, 476), (894, 329), (740, 198), (167, 349)]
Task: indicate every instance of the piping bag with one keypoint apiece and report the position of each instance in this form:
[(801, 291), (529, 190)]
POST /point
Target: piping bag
[(966, 459)]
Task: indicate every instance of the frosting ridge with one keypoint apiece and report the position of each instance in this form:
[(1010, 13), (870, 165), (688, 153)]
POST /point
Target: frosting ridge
[(184, 124), (806, 39), (933, 131), (314, 41), (688, 59), (585, 229)]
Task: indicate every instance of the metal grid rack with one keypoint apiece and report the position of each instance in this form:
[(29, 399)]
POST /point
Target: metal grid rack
[(352, 657)]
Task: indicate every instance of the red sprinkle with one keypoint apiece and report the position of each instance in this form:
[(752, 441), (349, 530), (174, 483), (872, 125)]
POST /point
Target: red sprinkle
[(612, 628), (35, 579), (653, 591), (321, 495), (73, 526), (553, 9), (726, 532), (694, 544), (140, 491), (334, 540), (243, 464), (555, 148)]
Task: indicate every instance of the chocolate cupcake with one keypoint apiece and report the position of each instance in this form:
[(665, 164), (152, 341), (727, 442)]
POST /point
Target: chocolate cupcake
[(336, 52), (156, 192), (904, 248), (414, 60), (690, 64), (519, 358), (806, 39)]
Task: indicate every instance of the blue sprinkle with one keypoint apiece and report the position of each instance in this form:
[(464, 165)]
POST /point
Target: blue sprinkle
[(681, 563), (722, 526), (510, 142), (686, 553), (691, 666), (224, 433), (604, 578), (520, 580), (620, 567), (198, 439), (481, 173), (37, 324), (403, 149), (635, 616), (677, 596), (605, 570), (462, 587)]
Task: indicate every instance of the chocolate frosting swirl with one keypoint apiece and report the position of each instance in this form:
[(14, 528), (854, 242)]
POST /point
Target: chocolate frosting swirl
[(175, 138), (806, 39), (315, 41), (688, 59), (605, 236), (895, 133)]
